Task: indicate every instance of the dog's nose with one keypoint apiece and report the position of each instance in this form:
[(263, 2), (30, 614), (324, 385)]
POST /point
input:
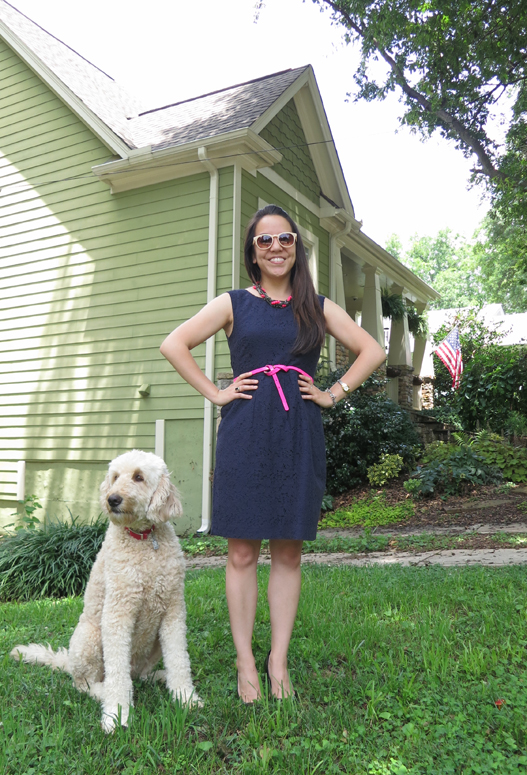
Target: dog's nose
[(114, 501)]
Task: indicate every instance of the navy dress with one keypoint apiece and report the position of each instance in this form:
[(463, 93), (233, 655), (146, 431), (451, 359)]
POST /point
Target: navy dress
[(270, 471)]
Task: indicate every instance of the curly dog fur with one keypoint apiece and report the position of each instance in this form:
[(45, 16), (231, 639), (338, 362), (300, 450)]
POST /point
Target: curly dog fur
[(134, 607)]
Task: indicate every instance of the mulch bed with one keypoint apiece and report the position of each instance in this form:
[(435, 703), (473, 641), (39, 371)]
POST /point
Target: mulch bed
[(484, 504)]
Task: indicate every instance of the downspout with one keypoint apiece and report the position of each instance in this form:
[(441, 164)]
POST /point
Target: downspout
[(208, 415), (334, 252)]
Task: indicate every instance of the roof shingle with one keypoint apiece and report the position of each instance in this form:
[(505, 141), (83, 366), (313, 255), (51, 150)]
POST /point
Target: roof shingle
[(236, 107)]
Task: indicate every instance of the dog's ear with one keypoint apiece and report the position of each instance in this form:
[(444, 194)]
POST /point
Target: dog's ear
[(103, 493), (165, 503)]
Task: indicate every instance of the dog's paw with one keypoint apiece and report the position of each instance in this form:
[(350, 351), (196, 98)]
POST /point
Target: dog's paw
[(113, 716), (186, 697)]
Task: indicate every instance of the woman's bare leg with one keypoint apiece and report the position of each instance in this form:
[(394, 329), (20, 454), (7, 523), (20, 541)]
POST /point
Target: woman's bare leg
[(283, 594), (242, 594)]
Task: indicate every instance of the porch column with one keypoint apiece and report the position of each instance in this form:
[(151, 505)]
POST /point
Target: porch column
[(400, 367), (371, 304), (417, 363), (338, 355)]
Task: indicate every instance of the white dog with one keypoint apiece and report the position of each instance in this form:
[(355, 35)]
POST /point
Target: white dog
[(134, 606)]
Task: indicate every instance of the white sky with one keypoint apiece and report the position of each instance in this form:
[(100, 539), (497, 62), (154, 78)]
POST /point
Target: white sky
[(165, 51)]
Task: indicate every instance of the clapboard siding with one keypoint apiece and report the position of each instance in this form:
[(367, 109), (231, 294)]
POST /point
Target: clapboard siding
[(91, 283)]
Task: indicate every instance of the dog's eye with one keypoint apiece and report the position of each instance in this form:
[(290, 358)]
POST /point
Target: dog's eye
[(115, 477), (138, 478)]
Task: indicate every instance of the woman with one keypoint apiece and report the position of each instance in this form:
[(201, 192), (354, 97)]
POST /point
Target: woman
[(270, 458)]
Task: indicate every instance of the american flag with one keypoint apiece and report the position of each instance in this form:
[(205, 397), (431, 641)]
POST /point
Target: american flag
[(449, 351)]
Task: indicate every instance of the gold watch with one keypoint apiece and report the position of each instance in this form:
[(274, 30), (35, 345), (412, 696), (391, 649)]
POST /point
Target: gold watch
[(345, 388)]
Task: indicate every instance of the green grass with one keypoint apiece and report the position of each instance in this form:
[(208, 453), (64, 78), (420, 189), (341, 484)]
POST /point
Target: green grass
[(366, 542), (397, 671)]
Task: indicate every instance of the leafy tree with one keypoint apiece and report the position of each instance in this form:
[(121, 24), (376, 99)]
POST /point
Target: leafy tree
[(448, 263), (494, 377), (455, 64), (498, 253), (469, 274)]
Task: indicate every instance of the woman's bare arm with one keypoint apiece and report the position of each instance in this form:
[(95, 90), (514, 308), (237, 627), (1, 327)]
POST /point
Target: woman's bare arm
[(369, 354), (176, 348)]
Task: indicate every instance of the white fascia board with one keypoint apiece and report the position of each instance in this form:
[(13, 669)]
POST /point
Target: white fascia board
[(332, 219), (87, 116), (373, 255), (316, 127), (281, 102), (145, 166)]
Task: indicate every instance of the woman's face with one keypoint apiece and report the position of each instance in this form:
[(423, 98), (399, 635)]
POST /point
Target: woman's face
[(276, 262)]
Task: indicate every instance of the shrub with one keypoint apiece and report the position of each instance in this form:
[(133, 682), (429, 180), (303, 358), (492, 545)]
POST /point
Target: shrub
[(445, 414), (388, 467), (449, 469), (494, 377), (371, 511), (511, 461), (54, 561), (360, 429), (515, 425)]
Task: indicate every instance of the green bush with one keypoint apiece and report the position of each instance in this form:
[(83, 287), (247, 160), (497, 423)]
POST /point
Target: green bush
[(498, 452), (54, 561), (493, 383), (388, 467), (515, 425), (445, 414), (360, 429), (450, 469), (371, 511)]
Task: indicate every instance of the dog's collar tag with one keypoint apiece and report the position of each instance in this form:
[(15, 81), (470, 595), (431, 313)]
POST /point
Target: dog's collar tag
[(154, 542)]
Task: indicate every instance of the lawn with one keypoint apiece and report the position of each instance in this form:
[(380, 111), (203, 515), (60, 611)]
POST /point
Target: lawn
[(397, 670)]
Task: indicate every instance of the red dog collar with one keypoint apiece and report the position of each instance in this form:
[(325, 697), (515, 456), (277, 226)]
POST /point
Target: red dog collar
[(140, 536)]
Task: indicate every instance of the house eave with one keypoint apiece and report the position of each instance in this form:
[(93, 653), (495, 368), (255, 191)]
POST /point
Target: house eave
[(145, 167), (372, 254), (114, 143)]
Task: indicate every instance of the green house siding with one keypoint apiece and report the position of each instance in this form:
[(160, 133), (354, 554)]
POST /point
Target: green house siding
[(90, 285), (224, 260), (285, 133)]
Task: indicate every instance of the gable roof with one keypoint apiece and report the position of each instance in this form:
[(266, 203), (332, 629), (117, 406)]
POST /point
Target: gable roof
[(209, 115), (100, 94), (225, 110)]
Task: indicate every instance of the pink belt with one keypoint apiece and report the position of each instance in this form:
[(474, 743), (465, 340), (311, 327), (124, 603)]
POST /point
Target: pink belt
[(272, 371)]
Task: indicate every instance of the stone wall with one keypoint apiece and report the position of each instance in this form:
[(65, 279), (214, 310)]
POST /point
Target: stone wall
[(427, 393)]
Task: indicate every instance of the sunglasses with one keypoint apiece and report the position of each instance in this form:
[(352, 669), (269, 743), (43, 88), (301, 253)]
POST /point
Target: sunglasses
[(264, 241)]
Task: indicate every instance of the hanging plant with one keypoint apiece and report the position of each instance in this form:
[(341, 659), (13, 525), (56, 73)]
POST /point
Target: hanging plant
[(395, 307), (392, 305), (417, 321)]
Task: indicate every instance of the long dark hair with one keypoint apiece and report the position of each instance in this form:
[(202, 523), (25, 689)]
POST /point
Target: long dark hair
[(306, 305)]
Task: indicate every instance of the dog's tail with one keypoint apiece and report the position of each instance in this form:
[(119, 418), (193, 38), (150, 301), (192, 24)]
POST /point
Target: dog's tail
[(36, 653)]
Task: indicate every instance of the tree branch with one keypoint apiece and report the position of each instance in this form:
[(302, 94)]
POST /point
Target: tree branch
[(465, 135)]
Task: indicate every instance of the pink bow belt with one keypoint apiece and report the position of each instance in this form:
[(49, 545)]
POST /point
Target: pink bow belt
[(272, 371)]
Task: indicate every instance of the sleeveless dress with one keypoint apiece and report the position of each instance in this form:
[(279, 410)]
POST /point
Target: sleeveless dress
[(270, 471)]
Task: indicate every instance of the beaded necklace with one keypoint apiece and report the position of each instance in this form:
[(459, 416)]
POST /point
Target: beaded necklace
[(272, 302)]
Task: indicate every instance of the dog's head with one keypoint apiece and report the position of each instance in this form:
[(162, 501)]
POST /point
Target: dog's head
[(137, 488)]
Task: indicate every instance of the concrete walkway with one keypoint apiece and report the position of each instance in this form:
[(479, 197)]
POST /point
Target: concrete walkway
[(494, 558)]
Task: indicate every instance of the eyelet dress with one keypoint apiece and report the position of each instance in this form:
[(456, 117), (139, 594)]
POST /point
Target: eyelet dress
[(270, 471)]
